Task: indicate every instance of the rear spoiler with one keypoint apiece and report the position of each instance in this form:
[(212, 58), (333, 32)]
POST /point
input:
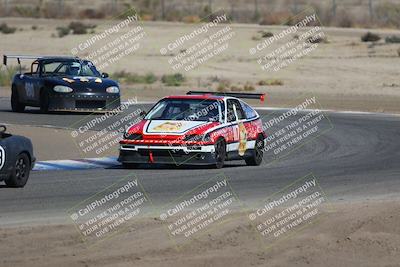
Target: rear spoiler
[(18, 57), (237, 95)]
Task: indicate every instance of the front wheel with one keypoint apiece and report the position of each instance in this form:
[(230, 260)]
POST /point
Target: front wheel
[(257, 154), (220, 153), (44, 101), (16, 106), (20, 172)]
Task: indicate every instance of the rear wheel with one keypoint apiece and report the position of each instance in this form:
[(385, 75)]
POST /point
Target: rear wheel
[(257, 154), (20, 172), (16, 106), (220, 153), (44, 101)]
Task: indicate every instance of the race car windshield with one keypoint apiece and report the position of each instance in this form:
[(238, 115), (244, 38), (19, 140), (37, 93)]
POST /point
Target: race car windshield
[(70, 68), (187, 109)]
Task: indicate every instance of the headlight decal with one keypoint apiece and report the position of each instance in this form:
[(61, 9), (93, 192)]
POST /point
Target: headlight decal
[(112, 90), (62, 89)]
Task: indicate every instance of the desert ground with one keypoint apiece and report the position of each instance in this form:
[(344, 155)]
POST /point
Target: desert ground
[(343, 73), (358, 234)]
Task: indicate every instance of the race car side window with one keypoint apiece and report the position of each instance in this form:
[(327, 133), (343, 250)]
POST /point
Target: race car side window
[(50, 68), (221, 111), (230, 115), (248, 111), (35, 68), (239, 109)]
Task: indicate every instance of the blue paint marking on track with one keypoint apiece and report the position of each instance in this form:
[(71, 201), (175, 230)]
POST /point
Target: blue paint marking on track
[(41, 165), (76, 164)]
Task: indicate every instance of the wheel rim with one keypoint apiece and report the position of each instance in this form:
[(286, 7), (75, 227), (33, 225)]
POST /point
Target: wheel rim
[(20, 169)]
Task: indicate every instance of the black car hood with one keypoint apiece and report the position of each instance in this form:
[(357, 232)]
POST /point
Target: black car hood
[(80, 82)]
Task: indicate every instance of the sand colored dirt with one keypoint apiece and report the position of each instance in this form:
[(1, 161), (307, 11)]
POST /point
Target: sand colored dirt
[(351, 234)]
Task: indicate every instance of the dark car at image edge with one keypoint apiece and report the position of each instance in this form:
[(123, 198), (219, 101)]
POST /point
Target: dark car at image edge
[(16, 158)]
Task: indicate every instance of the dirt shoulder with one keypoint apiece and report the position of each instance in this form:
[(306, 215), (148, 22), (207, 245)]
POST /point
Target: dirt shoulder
[(54, 144), (351, 234), (278, 97)]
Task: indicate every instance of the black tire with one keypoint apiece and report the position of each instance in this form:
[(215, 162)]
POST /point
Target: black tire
[(16, 106), (20, 172), (257, 154), (44, 101), (129, 165), (220, 153)]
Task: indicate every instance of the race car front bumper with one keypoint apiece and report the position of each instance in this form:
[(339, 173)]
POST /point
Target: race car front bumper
[(84, 102), (178, 155)]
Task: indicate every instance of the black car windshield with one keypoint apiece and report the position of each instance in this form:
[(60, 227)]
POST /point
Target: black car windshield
[(70, 68), (187, 109)]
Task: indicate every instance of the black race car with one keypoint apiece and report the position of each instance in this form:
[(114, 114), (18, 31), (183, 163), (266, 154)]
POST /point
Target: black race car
[(62, 84), (16, 158)]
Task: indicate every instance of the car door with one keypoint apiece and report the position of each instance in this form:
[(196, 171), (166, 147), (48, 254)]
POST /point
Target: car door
[(241, 124), (235, 120), (253, 124), (30, 91)]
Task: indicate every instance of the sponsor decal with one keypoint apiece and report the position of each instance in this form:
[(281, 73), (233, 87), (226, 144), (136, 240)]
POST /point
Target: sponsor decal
[(68, 80), (242, 139), (176, 127), (85, 79), (2, 157), (29, 89), (169, 127)]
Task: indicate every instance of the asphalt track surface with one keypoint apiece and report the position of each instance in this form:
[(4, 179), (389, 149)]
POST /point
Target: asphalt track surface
[(357, 159)]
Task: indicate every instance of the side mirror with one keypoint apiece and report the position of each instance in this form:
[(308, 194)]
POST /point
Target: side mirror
[(104, 75), (3, 129)]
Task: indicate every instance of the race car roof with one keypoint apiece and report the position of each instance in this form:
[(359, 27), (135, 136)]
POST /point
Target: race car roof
[(205, 96)]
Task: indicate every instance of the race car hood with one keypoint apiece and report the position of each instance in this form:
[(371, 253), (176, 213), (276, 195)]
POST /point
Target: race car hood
[(80, 82), (171, 126)]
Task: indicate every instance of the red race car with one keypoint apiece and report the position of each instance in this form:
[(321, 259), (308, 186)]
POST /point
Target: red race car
[(200, 128)]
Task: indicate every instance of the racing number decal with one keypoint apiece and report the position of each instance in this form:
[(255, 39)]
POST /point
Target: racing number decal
[(29, 90), (242, 139), (2, 157)]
